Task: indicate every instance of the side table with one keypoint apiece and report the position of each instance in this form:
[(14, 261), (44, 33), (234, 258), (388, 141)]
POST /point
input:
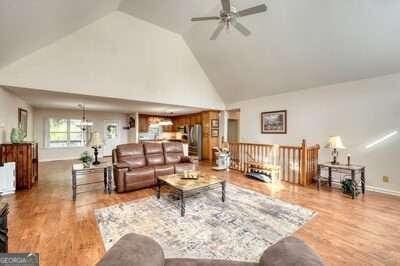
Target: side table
[(343, 169), (81, 170)]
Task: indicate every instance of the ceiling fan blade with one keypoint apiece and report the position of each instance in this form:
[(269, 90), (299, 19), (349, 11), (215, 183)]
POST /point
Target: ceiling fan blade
[(253, 10), (206, 18), (242, 29), (217, 31), (226, 5)]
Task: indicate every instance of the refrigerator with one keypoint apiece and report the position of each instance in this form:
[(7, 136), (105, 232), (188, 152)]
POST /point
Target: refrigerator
[(195, 141)]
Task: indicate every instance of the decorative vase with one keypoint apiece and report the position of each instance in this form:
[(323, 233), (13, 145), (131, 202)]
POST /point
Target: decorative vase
[(17, 135)]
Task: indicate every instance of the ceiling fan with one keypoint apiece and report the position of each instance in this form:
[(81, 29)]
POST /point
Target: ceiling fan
[(229, 16)]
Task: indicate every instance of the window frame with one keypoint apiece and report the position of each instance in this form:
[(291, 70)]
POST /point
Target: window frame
[(68, 132)]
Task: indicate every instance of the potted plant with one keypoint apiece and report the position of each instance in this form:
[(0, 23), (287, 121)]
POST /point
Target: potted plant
[(86, 158), (347, 187)]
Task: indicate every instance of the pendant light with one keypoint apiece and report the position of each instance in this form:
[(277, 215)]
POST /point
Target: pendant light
[(84, 124)]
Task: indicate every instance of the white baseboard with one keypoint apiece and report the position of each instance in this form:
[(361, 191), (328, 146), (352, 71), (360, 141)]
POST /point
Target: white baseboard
[(383, 190)]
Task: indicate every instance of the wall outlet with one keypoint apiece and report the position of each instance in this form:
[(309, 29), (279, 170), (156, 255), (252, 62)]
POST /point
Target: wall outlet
[(385, 179)]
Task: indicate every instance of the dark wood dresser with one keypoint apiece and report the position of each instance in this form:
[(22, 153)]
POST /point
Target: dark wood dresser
[(25, 155), (3, 227)]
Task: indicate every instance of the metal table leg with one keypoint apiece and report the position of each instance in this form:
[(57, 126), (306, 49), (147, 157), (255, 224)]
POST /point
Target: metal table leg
[(109, 177), (73, 185), (363, 180), (223, 184), (319, 178), (105, 180), (353, 184), (158, 188), (182, 203)]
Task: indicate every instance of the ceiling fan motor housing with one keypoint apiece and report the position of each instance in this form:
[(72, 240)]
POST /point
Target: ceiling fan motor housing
[(228, 16)]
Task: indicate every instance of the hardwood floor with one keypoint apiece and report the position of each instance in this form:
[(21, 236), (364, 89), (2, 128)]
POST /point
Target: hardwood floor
[(365, 231)]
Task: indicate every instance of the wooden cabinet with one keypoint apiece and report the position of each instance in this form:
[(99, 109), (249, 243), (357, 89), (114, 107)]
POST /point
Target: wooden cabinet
[(146, 120), (143, 124), (25, 155)]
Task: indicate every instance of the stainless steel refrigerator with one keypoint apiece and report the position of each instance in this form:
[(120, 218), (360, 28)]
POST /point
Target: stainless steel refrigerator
[(195, 141)]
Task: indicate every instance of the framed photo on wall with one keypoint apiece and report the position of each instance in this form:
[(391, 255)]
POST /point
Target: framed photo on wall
[(274, 122), (214, 123), (215, 133), (23, 120)]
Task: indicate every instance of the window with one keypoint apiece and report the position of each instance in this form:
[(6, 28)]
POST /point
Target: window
[(63, 132)]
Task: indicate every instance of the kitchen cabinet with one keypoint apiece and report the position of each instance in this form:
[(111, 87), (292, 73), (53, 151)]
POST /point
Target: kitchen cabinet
[(146, 120)]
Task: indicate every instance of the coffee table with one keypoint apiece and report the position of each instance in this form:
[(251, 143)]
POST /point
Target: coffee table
[(188, 187)]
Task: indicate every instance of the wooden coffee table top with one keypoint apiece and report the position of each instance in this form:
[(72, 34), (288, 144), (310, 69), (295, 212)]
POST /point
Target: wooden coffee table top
[(203, 181)]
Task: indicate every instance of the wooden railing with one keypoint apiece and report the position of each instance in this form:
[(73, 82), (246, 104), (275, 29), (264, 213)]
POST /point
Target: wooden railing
[(298, 164)]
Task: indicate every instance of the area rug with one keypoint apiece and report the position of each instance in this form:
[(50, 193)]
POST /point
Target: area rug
[(239, 229)]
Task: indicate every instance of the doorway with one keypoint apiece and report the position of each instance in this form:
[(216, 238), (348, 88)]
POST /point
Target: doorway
[(111, 136), (234, 126)]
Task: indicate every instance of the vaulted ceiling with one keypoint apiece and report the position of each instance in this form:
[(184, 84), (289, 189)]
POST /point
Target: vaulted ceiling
[(295, 45), (27, 25)]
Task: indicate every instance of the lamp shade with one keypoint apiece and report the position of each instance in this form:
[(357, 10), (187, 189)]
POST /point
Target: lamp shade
[(96, 140), (335, 142)]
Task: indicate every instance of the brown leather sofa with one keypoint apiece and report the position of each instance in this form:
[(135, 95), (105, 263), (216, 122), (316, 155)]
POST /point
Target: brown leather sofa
[(137, 166)]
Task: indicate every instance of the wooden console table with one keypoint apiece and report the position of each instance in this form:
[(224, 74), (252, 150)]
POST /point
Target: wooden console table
[(80, 170), (351, 170)]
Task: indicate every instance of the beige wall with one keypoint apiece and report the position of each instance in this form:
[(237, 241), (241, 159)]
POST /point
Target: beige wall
[(9, 104), (49, 154), (360, 112), (118, 56)]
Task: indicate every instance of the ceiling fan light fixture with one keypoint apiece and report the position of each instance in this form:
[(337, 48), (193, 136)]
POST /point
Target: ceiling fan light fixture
[(229, 15)]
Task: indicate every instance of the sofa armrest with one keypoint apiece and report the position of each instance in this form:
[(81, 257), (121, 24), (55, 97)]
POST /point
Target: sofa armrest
[(290, 251), (133, 249), (121, 165), (119, 171)]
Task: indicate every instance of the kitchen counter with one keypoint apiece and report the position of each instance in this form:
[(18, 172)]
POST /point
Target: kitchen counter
[(161, 140)]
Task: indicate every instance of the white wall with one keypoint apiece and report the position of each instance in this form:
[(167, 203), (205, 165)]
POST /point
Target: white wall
[(9, 104), (360, 112), (50, 154), (118, 56)]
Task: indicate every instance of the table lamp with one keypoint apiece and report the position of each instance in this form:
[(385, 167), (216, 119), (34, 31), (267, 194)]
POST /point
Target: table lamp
[(335, 143), (96, 142)]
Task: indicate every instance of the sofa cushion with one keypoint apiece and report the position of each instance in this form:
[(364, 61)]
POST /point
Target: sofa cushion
[(153, 148), (132, 149), (290, 251), (134, 162), (131, 154), (139, 178), (155, 159), (173, 147), (172, 158), (180, 167), (173, 152), (203, 262), (133, 249), (167, 169)]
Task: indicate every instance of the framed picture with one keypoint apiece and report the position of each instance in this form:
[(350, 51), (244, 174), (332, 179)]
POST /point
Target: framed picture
[(274, 122), (23, 120), (214, 123), (215, 133)]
